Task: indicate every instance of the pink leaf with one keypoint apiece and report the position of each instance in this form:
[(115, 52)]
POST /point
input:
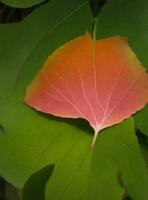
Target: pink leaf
[(101, 81)]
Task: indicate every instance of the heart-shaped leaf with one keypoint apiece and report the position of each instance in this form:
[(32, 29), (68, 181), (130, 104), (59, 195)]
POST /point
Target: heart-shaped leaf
[(95, 80)]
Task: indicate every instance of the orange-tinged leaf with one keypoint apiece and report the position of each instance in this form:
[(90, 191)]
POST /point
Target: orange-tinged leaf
[(101, 81)]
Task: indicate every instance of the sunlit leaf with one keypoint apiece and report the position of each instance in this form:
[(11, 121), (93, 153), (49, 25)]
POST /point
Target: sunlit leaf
[(95, 80), (32, 141), (41, 32), (128, 18)]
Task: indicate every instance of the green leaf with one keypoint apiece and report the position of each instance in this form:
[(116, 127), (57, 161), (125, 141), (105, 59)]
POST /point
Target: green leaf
[(143, 141), (85, 173), (32, 141), (24, 47), (35, 185), (141, 120), (21, 3), (128, 18), (144, 149), (1, 129), (94, 174)]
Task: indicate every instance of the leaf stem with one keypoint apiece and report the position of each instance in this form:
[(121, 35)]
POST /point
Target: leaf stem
[(94, 139), (94, 29)]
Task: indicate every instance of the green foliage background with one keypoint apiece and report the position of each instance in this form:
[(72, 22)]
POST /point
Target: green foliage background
[(42, 153)]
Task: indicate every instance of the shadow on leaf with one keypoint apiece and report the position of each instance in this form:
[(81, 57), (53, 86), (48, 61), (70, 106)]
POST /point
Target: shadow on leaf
[(78, 123), (35, 186)]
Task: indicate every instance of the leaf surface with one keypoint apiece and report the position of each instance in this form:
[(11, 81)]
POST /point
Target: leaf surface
[(141, 120), (143, 141), (128, 18), (21, 3), (32, 141), (95, 80), (39, 33), (35, 185)]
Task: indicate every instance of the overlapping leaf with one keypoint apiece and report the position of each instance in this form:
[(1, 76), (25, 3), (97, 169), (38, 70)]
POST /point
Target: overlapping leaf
[(96, 80), (98, 172), (21, 3), (141, 120), (130, 21), (35, 186), (33, 141), (31, 41)]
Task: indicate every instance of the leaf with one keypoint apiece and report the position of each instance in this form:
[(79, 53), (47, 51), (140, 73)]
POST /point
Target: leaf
[(122, 18), (143, 141), (21, 3), (1, 129), (33, 140), (43, 31), (35, 185), (98, 82), (93, 173), (23, 142), (141, 120)]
